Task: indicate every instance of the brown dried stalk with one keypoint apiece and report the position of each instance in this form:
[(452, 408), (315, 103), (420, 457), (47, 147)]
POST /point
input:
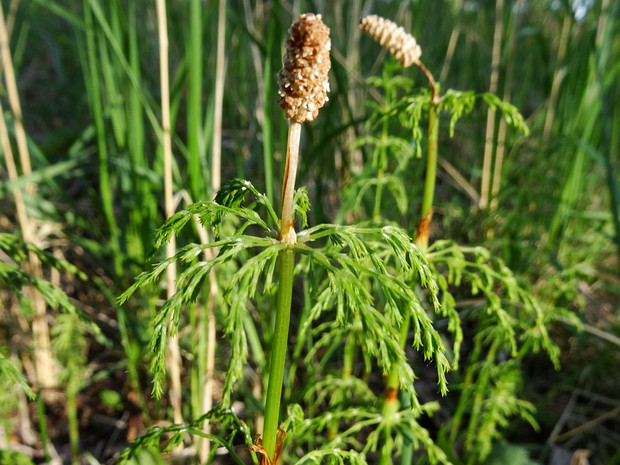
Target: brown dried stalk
[(174, 361)]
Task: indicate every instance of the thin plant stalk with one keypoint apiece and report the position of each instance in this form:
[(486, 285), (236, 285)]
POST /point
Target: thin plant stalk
[(216, 163), (46, 444), (354, 110), (194, 102), (72, 419), (376, 214), (219, 98), (287, 232), (197, 188), (11, 88), (22, 218), (278, 351), (485, 184), (45, 363), (304, 85), (267, 119), (501, 133), (174, 355), (285, 292), (454, 38), (263, 69), (558, 76), (10, 20), (142, 216), (147, 203)]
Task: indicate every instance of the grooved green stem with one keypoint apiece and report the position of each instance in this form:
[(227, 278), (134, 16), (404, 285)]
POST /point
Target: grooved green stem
[(376, 214), (382, 162), (431, 162), (72, 419), (267, 129), (45, 440), (390, 404), (278, 350), (349, 353)]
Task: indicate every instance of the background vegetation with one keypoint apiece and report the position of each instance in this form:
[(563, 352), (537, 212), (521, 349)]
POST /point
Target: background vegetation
[(82, 181)]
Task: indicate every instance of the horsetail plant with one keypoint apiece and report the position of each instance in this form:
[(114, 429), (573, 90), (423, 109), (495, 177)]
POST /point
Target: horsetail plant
[(406, 50), (304, 84), (350, 286), (514, 323)]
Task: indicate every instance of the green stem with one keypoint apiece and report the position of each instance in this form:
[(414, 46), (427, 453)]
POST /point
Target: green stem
[(390, 403), (376, 214), (278, 350), (427, 205), (43, 426), (285, 292), (431, 161), (349, 353), (72, 418), (267, 129), (382, 160)]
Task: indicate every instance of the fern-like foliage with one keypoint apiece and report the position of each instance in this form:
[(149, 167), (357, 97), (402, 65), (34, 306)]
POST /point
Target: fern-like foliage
[(459, 104), (346, 447), (10, 375), (13, 272), (69, 344), (359, 276), (194, 272), (344, 273), (388, 154), (510, 324), (228, 429), (388, 165)]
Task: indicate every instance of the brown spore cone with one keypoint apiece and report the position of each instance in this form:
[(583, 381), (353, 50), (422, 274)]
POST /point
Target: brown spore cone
[(392, 37), (303, 79)]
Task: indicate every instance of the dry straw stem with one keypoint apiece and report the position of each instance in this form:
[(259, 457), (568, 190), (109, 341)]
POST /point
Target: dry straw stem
[(485, 183), (207, 395), (174, 355), (503, 124), (45, 364)]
